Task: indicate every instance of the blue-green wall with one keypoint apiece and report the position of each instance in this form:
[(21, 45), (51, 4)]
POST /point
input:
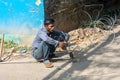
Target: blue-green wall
[(19, 17)]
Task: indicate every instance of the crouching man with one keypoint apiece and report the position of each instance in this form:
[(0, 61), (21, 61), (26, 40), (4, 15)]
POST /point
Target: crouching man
[(46, 41)]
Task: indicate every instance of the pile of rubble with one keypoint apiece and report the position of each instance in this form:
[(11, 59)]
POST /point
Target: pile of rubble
[(82, 38)]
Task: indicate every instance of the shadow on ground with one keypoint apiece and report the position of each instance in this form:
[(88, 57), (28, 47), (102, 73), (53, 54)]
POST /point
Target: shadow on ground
[(83, 63)]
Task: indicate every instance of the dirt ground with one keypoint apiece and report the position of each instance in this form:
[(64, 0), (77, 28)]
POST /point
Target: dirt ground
[(98, 62)]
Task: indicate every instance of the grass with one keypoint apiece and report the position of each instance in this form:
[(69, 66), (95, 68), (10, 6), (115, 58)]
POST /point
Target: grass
[(12, 44)]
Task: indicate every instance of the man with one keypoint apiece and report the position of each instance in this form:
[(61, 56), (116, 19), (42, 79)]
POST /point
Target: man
[(46, 41)]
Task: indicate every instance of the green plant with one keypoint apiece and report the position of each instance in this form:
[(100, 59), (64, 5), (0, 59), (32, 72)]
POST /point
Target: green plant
[(10, 44)]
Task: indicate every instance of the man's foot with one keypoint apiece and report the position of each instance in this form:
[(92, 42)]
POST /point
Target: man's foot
[(48, 64)]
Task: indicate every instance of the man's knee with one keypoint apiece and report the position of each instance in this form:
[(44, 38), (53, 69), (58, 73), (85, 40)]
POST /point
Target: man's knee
[(67, 37), (64, 37), (37, 52)]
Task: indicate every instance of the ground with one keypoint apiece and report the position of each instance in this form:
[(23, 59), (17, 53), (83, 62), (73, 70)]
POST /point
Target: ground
[(100, 61)]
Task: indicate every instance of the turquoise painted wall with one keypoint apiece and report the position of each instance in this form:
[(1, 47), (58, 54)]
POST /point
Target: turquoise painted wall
[(20, 17)]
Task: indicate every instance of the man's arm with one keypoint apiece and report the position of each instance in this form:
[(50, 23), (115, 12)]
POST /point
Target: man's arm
[(43, 35)]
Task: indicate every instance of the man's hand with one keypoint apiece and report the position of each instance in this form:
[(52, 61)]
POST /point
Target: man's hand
[(62, 45)]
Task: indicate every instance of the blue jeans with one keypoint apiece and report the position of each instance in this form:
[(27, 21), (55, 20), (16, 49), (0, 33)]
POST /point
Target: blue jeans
[(43, 51)]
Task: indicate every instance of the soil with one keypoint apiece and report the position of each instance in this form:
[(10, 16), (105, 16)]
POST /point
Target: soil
[(96, 58)]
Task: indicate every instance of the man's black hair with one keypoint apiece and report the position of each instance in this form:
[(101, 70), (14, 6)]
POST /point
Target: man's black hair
[(49, 21)]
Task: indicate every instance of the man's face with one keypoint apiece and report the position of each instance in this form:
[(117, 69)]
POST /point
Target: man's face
[(50, 27)]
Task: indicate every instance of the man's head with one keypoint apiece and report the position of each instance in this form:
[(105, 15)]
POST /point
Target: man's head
[(49, 24)]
